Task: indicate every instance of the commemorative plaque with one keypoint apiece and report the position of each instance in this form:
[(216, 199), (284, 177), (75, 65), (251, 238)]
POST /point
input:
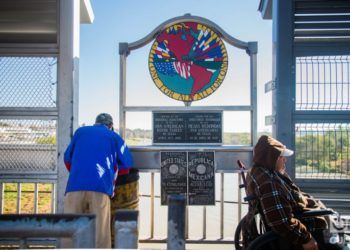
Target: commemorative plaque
[(187, 127), (173, 174), (188, 61), (201, 178)]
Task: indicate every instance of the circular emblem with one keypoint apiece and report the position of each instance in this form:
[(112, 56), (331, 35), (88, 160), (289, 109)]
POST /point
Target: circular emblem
[(201, 169), (174, 169), (188, 61)]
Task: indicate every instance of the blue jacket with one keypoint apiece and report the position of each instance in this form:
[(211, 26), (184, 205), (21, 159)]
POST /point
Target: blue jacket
[(94, 157)]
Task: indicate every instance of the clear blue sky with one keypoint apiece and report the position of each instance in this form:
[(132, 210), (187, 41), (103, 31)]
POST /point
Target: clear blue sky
[(130, 20)]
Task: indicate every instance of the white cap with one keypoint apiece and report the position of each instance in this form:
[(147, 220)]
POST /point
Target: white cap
[(287, 152)]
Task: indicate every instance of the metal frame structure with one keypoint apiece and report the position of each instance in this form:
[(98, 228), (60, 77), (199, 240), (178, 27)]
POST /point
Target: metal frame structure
[(303, 29), (68, 19), (147, 158), (239, 206), (81, 228), (143, 155)]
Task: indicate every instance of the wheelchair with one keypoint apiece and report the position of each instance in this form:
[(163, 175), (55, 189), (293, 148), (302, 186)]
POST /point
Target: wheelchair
[(265, 237)]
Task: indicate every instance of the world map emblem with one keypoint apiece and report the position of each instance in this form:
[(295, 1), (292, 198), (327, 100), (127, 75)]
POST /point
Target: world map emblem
[(188, 61)]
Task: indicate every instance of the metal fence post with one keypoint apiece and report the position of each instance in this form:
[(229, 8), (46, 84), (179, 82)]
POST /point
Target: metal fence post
[(126, 229), (176, 222)]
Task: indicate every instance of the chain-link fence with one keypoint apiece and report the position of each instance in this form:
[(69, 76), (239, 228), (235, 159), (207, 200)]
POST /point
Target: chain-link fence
[(28, 81), (28, 145)]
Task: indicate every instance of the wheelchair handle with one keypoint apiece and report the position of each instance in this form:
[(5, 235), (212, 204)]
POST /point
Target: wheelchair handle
[(240, 164), (249, 198), (315, 213)]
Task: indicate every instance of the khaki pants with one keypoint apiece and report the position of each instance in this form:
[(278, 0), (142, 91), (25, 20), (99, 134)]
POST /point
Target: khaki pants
[(87, 202)]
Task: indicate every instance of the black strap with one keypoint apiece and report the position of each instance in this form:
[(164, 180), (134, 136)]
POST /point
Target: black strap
[(132, 176)]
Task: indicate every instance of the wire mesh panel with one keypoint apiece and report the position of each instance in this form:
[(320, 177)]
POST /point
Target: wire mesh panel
[(322, 150), (323, 83), (28, 81), (27, 145)]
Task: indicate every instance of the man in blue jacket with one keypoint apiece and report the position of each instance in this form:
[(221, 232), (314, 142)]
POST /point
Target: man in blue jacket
[(93, 159)]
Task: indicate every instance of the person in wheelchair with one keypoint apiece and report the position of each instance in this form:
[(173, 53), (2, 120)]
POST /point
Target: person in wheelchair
[(279, 200)]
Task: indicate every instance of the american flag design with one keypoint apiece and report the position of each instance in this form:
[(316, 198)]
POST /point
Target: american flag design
[(187, 57)]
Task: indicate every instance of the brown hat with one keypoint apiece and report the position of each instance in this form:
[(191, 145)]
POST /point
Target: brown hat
[(267, 150)]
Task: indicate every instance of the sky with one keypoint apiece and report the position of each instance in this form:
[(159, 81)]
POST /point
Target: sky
[(128, 21)]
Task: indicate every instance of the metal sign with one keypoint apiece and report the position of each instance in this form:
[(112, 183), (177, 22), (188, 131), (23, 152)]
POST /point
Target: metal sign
[(201, 178), (188, 61), (189, 173), (187, 127), (173, 174)]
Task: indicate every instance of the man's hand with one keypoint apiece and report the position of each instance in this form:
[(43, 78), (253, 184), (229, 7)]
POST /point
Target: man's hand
[(310, 245)]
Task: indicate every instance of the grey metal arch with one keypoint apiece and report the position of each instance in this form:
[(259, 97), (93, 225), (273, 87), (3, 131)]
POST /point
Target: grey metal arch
[(188, 18), (147, 158), (250, 47)]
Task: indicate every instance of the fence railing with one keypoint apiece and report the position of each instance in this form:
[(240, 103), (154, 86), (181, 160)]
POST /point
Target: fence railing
[(81, 228), (209, 224), (322, 150), (28, 198), (323, 83), (212, 224), (321, 117)]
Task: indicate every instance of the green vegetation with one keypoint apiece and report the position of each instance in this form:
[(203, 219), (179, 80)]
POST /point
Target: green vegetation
[(323, 152)]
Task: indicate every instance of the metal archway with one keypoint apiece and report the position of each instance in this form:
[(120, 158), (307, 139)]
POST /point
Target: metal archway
[(147, 158)]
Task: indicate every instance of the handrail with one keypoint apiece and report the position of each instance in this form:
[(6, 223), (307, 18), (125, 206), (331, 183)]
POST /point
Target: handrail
[(74, 226)]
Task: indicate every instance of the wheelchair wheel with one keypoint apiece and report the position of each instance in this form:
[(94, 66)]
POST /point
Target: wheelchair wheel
[(264, 241), (238, 236)]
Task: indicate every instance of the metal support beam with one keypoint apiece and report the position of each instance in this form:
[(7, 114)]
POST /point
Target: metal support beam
[(67, 111), (284, 73), (53, 198), (36, 196), (252, 51), (186, 108), (176, 222), (204, 229), (28, 113), (321, 116), (239, 197), (321, 47), (123, 52), (126, 229), (19, 194), (1, 197), (152, 205), (222, 205), (80, 227)]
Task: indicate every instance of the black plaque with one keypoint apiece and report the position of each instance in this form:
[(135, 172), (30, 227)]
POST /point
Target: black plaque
[(173, 174), (185, 127), (201, 178)]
